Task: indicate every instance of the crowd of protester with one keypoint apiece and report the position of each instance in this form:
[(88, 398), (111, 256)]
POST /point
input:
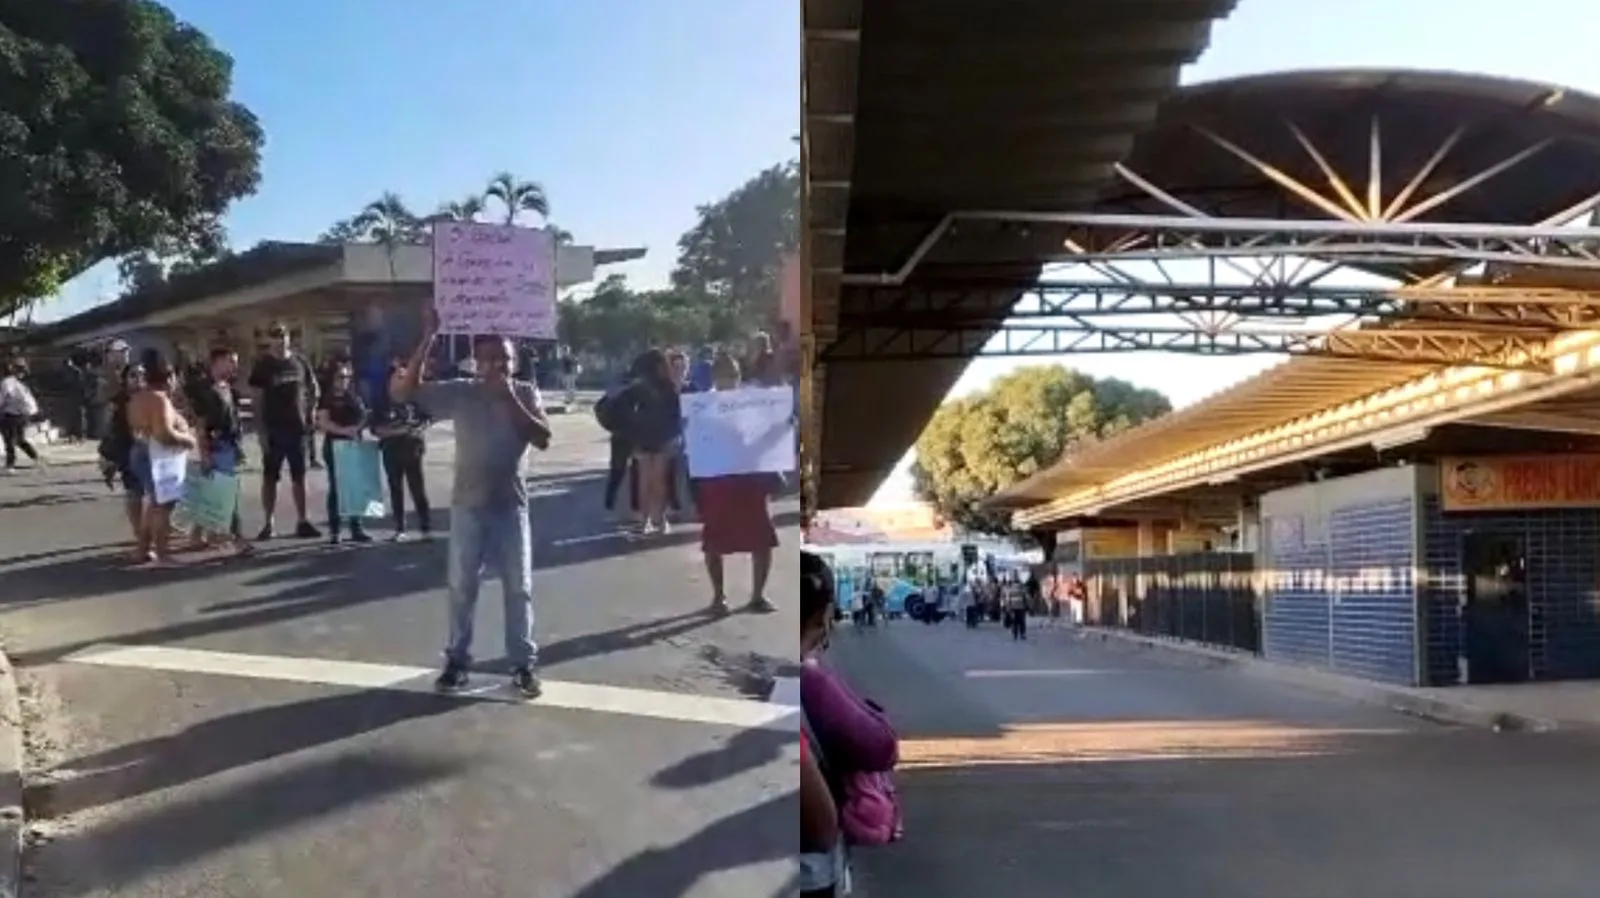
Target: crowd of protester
[(291, 415), (642, 412)]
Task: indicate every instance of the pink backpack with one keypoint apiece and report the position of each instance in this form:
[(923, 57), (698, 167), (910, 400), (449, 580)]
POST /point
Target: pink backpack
[(870, 814)]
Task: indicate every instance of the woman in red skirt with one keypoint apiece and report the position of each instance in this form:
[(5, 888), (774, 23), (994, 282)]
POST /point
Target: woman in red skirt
[(734, 516)]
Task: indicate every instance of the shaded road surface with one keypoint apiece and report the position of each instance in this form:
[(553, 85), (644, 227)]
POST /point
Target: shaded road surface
[(1067, 767), (265, 727)]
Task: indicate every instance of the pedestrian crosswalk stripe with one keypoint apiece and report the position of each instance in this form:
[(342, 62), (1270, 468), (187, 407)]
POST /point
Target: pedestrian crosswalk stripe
[(661, 705), (786, 692)]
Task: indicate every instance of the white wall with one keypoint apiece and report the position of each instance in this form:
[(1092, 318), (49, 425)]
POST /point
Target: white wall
[(370, 264), (1315, 501)]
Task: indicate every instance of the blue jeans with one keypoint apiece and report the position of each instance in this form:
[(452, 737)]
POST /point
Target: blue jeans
[(502, 538)]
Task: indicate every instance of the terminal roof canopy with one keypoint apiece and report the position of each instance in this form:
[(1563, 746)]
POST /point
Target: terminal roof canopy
[(1049, 146), (1417, 113), (915, 109), (1399, 119)]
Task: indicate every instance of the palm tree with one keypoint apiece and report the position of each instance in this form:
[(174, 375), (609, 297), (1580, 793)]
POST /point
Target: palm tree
[(466, 209), (388, 221), (517, 197)]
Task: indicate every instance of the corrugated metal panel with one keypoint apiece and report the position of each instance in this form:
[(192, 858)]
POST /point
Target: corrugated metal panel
[(1026, 106)]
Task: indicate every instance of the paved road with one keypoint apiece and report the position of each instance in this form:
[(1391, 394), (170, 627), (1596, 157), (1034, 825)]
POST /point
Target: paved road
[(1063, 766), (265, 728)]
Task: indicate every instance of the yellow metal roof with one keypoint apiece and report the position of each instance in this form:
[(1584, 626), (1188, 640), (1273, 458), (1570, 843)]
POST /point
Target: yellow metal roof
[(1298, 388)]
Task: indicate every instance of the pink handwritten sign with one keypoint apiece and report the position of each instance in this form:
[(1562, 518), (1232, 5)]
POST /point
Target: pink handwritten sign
[(494, 279)]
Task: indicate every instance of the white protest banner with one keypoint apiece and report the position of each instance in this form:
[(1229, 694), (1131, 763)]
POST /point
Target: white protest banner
[(494, 279), (169, 466), (744, 431)]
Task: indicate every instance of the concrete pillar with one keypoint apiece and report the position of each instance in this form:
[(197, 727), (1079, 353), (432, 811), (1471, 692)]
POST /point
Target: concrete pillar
[(1151, 539), (1249, 523)]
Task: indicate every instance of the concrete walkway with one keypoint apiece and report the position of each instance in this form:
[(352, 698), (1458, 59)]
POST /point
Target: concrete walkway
[(1062, 766), (1522, 706)]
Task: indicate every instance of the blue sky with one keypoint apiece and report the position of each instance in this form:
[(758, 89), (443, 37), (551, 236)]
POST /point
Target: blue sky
[(1552, 41), (629, 113)]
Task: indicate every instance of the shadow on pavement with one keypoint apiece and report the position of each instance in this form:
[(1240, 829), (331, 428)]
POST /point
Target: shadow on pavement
[(223, 743), (766, 832), (749, 673), (311, 578), (340, 591), (620, 639), (173, 835), (1346, 814), (744, 750), (45, 500), (33, 557)]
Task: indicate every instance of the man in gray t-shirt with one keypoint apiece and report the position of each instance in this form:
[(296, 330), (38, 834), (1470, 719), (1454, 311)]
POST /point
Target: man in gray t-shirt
[(496, 419)]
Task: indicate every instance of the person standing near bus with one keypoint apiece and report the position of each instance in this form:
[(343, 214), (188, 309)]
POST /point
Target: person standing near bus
[(1016, 603)]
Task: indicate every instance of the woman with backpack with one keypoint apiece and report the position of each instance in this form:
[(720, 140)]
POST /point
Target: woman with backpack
[(650, 419), (824, 860), (852, 741)]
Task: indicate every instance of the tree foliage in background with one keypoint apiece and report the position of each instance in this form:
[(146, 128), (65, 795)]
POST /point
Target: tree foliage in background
[(724, 287), (725, 284), (391, 221), (731, 261), (617, 323), (980, 444), (117, 139)]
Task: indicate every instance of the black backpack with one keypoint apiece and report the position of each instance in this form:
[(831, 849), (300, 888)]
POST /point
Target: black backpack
[(614, 412)]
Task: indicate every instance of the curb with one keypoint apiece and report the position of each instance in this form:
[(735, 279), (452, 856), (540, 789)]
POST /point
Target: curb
[(11, 782), (1425, 704)]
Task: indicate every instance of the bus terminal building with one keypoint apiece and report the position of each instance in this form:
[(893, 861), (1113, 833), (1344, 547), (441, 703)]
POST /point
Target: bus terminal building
[(1414, 499)]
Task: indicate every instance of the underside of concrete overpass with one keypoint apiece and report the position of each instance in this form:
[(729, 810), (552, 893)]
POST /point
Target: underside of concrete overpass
[(914, 110)]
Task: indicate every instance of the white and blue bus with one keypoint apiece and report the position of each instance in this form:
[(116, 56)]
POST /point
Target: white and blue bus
[(902, 568)]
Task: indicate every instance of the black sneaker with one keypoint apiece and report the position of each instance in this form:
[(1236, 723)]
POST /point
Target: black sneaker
[(360, 536), (452, 679), (304, 530), (333, 538), (267, 532), (525, 681)]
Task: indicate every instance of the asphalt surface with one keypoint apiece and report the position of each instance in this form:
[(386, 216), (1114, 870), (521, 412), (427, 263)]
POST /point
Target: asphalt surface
[(179, 782), (1069, 767)]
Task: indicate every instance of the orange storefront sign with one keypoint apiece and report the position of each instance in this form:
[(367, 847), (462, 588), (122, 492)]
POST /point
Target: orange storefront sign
[(1510, 482)]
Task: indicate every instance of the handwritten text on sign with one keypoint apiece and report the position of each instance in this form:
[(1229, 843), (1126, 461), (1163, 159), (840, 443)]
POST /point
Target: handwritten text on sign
[(745, 431), (494, 279)]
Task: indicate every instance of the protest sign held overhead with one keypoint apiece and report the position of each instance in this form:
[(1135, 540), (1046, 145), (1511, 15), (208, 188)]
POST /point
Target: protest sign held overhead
[(494, 279), (744, 431)]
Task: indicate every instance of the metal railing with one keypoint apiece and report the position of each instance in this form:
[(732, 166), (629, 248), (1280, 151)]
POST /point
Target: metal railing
[(1210, 598)]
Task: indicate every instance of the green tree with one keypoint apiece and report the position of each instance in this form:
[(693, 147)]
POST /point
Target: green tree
[(732, 258), (118, 137), (389, 221), (980, 444), (516, 196), (468, 208)]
